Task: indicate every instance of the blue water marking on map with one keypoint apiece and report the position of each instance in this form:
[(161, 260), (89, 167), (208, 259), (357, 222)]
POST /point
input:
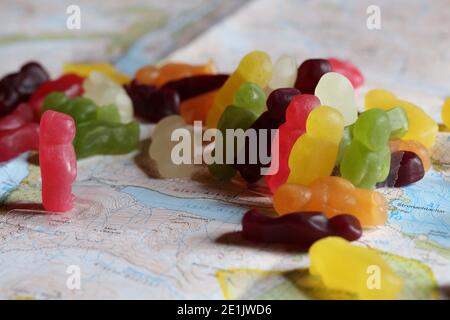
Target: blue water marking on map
[(12, 173), (206, 208), (424, 208)]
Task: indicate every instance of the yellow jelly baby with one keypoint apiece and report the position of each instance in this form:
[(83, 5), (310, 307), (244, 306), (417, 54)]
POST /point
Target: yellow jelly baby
[(255, 67), (347, 267), (84, 70), (314, 153)]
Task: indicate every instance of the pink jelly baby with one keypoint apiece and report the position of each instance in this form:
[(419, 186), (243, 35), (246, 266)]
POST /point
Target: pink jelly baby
[(14, 142), (22, 115), (18, 133), (57, 161), (297, 113), (347, 69)]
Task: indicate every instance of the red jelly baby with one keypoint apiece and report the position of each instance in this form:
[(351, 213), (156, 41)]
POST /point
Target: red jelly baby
[(57, 160)]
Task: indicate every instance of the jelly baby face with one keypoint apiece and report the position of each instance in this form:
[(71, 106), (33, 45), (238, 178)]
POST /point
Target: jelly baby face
[(58, 128), (301, 107), (325, 123), (258, 65), (336, 90)]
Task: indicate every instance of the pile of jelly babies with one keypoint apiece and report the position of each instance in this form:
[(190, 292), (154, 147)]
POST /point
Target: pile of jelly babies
[(330, 157)]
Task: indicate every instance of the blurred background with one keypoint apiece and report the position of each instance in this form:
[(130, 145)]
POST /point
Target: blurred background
[(408, 52)]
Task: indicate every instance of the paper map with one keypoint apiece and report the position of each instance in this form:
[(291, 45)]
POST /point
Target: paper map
[(136, 236)]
